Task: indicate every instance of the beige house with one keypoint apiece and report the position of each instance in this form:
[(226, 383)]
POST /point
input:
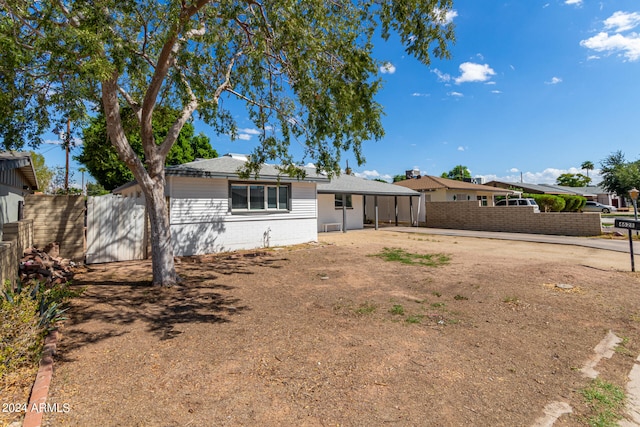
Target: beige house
[(434, 189)]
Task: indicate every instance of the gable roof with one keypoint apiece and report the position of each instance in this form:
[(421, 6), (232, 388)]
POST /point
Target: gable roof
[(433, 183), (349, 184), (227, 166), (10, 160), (532, 188)]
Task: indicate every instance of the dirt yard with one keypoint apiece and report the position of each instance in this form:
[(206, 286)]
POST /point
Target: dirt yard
[(327, 334)]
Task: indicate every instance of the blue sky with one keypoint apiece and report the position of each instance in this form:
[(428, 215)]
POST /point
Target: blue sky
[(533, 88)]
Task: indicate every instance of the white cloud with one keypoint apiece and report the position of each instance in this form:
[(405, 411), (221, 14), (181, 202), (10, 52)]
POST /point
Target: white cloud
[(472, 72), (622, 21), (387, 68), (612, 41), (554, 81), (497, 92), (628, 46), (249, 131), (456, 94), (420, 94), (444, 17), (76, 141), (373, 175), (443, 77), (461, 148), (547, 176), (576, 2), (244, 137)]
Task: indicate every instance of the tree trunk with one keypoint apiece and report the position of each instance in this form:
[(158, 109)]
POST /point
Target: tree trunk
[(162, 262)]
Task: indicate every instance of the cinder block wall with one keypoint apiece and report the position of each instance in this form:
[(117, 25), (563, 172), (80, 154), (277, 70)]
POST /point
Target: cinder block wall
[(58, 219), (17, 237), (515, 219)]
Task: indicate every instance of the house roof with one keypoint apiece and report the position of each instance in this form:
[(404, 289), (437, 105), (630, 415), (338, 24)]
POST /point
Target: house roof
[(349, 184), (229, 165), (530, 188), (590, 191), (10, 160), (433, 183)]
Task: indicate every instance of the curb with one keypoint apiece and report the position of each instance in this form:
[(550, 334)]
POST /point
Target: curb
[(40, 390)]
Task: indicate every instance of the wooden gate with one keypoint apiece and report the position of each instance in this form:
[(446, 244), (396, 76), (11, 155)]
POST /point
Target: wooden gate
[(116, 229)]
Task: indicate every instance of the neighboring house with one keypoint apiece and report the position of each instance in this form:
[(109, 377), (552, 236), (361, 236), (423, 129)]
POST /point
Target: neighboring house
[(17, 179), (595, 193), (343, 202), (437, 189), (211, 209)]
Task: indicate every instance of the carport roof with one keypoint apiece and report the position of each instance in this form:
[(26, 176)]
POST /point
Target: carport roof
[(349, 184)]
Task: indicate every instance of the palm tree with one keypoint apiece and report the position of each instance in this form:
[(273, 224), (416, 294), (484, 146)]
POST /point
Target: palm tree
[(588, 166)]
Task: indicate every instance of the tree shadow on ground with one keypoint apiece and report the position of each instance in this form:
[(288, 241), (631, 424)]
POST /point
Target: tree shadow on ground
[(117, 295)]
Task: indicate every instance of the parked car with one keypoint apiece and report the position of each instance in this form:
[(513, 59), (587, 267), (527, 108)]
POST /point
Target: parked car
[(598, 207), (519, 202)]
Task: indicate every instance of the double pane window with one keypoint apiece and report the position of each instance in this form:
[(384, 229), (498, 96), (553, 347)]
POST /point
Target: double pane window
[(259, 197)]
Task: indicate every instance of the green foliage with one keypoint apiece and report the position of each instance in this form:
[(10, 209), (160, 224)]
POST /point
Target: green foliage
[(573, 203), (44, 174), (96, 189), (618, 175), (20, 331), (398, 178), (397, 310), (606, 402), (102, 159), (573, 180), (27, 312), (548, 202), (588, 166), (400, 255), (458, 173)]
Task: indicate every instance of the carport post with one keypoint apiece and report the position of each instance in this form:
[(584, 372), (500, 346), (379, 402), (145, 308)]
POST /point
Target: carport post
[(375, 202), (411, 208), (395, 202)]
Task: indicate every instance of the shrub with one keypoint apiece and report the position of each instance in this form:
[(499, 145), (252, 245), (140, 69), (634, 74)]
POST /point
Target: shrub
[(548, 202), (20, 331), (573, 203)]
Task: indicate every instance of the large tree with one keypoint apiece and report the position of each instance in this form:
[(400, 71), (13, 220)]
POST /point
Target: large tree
[(458, 173), (102, 159), (304, 71), (618, 175), (44, 174), (573, 180)]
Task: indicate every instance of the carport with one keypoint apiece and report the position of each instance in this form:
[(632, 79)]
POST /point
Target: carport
[(342, 202)]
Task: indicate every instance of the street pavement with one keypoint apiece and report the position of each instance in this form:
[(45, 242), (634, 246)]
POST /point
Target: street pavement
[(604, 243)]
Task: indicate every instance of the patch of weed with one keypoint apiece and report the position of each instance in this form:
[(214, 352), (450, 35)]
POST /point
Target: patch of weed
[(511, 300), (437, 294), (396, 310), (416, 318), (404, 257), (438, 305), (606, 401), (460, 298), (366, 308)]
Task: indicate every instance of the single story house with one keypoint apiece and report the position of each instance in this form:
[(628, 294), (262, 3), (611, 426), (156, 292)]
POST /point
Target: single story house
[(348, 202), (212, 209), (594, 193), (17, 179), (437, 189)]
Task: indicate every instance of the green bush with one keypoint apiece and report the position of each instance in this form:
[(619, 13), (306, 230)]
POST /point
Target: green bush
[(27, 312), (573, 203), (548, 202)]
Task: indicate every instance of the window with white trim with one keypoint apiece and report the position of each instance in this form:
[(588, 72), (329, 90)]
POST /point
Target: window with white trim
[(259, 197), (343, 200)]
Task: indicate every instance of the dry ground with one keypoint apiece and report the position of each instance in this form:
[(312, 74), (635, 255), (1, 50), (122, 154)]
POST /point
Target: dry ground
[(307, 336)]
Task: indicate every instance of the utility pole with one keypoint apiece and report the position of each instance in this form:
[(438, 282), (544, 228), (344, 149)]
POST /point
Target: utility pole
[(66, 148)]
